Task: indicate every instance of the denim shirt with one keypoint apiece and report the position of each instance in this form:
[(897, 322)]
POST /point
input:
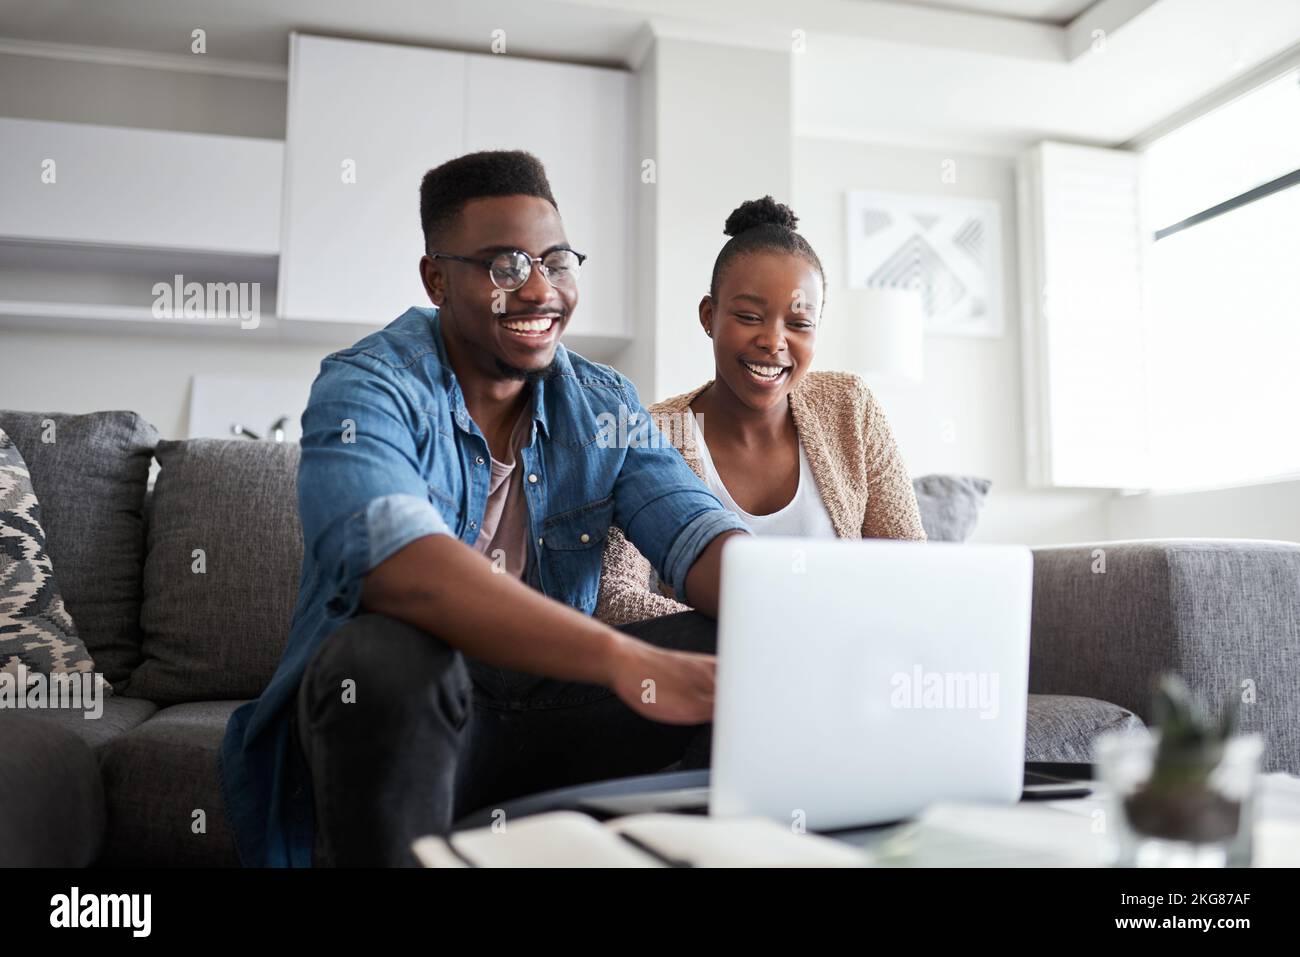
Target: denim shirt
[(390, 454)]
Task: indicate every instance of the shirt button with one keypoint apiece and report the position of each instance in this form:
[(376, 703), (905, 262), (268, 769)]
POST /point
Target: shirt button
[(479, 460), (532, 479), (540, 540), (584, 537), (473, 524)]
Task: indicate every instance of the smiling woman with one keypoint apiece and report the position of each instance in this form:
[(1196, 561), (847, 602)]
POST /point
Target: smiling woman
[(789, 451)]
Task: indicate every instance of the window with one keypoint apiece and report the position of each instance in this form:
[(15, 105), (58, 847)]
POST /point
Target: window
[(1161, 299), (1221, 196)]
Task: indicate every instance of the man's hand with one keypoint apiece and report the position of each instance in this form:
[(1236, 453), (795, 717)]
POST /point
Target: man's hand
[(672, 687)]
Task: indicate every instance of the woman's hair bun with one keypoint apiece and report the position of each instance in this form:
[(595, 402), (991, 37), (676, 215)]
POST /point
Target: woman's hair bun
[(760, 212)]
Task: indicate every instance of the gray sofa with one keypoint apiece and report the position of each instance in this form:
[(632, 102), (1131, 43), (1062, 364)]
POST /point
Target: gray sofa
[(184, 596)]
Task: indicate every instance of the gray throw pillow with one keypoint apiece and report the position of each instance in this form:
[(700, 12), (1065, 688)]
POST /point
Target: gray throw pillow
[(89, 474), (950, 505), (37, 636), (221, 575)]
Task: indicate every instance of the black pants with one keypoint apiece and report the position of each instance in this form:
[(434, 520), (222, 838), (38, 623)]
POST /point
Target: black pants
[(404, 735)]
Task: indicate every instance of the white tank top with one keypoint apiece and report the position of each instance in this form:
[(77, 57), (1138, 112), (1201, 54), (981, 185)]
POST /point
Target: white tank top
[(805, 515)]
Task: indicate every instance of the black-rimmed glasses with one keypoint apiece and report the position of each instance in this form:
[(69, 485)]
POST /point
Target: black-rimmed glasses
[(511, 268)]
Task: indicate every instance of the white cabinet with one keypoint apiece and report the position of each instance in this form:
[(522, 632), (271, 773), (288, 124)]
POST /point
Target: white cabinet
[(118, 187), (366, 121), (387, 114), (93, 217), (575, 120)]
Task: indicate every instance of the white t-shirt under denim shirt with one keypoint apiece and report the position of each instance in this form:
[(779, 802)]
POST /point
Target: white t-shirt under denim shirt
[(805, 515)]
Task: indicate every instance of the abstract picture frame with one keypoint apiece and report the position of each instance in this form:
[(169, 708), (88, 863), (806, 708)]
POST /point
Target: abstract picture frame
[(950, 248)]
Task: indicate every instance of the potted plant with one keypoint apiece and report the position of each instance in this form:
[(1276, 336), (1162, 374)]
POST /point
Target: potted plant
[(1184, 788), (1179, 801)]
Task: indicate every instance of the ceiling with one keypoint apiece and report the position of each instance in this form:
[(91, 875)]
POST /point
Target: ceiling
[(257, 30), (1057, 12), (988, 75), (587, 30), (1171, 55)]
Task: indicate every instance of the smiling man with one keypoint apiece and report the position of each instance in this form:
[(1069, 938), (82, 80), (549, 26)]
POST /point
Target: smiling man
[(455, 500)]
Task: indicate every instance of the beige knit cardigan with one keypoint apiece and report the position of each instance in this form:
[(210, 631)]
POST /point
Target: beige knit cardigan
[(854, 461)]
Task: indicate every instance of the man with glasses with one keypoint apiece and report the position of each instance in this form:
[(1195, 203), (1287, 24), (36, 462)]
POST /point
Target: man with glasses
[(455, 496)]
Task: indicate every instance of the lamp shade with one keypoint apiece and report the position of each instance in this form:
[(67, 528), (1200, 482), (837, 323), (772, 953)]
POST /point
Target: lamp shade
[(883, 335)]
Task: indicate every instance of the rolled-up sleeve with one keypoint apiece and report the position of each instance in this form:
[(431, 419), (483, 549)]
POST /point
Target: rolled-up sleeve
[(662, 506), (692, 539), (362, 495)]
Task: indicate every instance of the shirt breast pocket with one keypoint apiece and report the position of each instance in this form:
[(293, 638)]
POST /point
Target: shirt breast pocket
[(572, 547)]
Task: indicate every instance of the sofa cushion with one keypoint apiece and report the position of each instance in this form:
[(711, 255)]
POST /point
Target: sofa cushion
[(89, 473), (119, 715), (51, 795), (950, 505), (221, 575), (37, 635), (156, 777), (1063, 727)]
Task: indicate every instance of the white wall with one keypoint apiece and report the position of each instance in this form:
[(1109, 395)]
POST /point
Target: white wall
[(966, 416), (637, 361), (720, 133), (83, 372), (1270, 510)]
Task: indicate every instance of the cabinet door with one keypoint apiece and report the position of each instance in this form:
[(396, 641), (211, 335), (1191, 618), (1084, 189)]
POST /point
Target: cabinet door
[(104, 185), (575, 120), (365, 122)]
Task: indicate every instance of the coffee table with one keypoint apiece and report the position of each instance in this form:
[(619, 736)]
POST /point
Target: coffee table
[(1033, 833)]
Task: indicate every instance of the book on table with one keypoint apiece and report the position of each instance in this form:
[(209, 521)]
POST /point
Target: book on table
[(572, 839)]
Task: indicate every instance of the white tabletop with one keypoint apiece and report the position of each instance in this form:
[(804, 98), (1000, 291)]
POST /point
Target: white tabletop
[(1064, 833)]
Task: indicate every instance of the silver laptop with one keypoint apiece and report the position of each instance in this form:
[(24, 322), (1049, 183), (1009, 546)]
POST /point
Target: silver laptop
[(860, 681)]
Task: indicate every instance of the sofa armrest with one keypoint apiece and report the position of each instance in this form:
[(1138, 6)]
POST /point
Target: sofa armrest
[(1110, 617)]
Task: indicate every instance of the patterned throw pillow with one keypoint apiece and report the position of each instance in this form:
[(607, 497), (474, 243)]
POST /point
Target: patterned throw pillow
[(36, 631)]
